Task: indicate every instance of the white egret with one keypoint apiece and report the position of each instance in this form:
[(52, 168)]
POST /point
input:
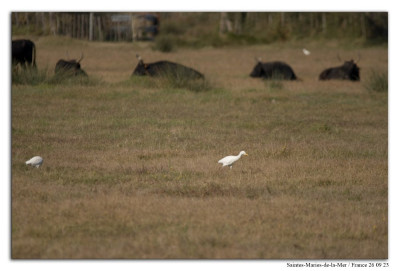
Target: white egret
[(231, 159), (35, 161), (306, 52)]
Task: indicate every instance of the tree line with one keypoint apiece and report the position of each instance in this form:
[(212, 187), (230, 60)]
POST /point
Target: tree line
[(249, 27)]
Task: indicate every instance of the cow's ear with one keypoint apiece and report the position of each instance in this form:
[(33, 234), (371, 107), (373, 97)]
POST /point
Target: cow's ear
[(145, 66)]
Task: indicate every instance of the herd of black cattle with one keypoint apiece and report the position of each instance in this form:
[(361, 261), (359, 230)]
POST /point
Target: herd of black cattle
[(24, 54)]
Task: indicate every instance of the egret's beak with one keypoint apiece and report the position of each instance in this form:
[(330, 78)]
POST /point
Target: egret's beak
[(245, 154)]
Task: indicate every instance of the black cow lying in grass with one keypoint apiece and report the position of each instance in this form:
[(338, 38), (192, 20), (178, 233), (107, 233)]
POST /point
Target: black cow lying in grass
[(275, 70), (69, 68), (24, 53), (348, 71), (165, 68)]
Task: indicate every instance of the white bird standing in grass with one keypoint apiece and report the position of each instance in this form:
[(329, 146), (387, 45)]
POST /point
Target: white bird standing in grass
[(35, 161), (231, 159), (306, 52)]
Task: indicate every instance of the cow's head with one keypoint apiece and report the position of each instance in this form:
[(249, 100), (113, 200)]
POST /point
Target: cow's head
[(352, 69), (258, 69), (78, 62), (141, 68), (70, 67)]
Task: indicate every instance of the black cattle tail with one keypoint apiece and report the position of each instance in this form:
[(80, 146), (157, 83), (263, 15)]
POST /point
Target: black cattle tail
[(69, 68), (24, 53), (165, 68), (276, 70), (348, 71)]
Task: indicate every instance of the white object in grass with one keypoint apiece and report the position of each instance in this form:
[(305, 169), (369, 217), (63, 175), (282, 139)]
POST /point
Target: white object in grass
[(35, 161), (230, 160), (306, 52)]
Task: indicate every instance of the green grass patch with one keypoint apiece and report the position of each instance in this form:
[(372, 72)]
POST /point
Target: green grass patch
[(28, 76), (32, 76), (273, 85), (377, 81)]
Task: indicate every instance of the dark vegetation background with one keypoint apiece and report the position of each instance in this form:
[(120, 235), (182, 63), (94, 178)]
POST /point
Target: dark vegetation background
[(199, 29)]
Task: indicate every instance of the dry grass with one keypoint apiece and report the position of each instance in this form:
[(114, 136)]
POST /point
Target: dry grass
[(130, 169)]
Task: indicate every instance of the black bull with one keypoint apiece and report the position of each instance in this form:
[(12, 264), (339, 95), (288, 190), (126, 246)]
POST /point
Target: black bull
[(24, 53), (69, 68), (348, 71), (273, 70), (165, 68)]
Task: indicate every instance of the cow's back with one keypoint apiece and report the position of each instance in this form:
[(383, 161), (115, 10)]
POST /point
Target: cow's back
[(334, 73), (167, 68), (348, 71), (278, 70), (69, 68)]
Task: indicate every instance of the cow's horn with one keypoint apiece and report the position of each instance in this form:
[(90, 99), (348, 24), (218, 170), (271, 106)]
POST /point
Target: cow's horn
[(359, 57), (338, 56), (80, 58), (138, 57), (258, 59)]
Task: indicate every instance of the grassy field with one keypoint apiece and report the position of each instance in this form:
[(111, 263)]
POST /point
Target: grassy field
[(130, 165)]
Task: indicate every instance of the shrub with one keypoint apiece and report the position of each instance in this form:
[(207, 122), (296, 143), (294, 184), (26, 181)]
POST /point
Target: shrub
[(28, 76), (164, 43), (35, 77), (181, 81), (377, 81)]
